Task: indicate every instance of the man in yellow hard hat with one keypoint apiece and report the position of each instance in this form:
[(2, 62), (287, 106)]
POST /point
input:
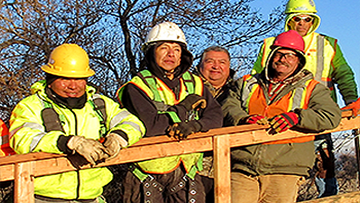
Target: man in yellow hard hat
[(65, 115), (326, 61)]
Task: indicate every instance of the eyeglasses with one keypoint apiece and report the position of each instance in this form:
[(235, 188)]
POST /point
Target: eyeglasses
[(307, 19), (288, 56)]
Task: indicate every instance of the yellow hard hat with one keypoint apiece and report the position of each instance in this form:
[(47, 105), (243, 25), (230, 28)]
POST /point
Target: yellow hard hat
[(68, 60), (166, 31), (300, 6)]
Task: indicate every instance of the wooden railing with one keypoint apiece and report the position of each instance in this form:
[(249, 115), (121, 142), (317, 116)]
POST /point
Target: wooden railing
[(23, 168)]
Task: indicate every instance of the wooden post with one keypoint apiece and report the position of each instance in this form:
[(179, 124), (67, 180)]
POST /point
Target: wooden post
[(222, 169), (24, 183)]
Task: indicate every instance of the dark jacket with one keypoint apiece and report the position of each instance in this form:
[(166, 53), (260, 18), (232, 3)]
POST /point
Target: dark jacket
[(138, 103), (222, 93)]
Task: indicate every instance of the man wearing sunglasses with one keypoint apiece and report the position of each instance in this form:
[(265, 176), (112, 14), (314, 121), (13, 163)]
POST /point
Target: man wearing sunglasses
[(326, 61)]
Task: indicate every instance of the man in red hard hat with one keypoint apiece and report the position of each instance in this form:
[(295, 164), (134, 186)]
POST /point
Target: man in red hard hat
[(326, 61), (284, 95)]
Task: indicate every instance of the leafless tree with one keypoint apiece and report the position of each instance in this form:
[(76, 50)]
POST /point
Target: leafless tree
[(112, 33), (29, 30)]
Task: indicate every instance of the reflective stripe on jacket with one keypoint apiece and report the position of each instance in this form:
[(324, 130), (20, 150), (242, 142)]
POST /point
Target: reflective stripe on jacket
[(28, 135), (168, 164), (256, 102), (320, 113), (325, 60)]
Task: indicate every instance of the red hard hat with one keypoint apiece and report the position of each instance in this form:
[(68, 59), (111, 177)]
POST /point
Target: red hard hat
[(290, 39)]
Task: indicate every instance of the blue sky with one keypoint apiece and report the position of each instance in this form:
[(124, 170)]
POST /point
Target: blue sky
[(339, 19)]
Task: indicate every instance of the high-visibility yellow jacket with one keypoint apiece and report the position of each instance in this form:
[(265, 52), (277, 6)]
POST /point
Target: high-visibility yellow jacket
[(28, 134)]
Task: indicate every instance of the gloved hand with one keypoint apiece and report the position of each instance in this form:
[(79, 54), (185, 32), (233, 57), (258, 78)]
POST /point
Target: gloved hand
[(90, 149), (193, 101), (283, 122), (181, 130), (354, 107), (252, 119), (113, 144)]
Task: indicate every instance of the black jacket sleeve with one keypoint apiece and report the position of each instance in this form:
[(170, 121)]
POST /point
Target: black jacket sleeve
[(139, 104)]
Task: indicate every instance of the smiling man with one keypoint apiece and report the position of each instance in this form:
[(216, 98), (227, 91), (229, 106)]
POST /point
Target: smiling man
[(66, 116), (284, 95), (214, 69), (325, 60), (169, 100)]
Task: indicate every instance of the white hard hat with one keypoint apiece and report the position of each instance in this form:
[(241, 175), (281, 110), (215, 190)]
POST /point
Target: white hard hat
[(166, 31)]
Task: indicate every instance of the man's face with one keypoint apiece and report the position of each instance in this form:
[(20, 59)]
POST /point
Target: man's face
[(301, 23), (168, 56), (284, 63), (215, 67), (69, 87)]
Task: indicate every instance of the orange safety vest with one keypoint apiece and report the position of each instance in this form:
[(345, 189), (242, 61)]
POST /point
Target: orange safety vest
[(5, 149), (297, 98)]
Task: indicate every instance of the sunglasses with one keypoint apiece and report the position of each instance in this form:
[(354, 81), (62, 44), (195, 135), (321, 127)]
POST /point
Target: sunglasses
[(307, 19), (288, 56)]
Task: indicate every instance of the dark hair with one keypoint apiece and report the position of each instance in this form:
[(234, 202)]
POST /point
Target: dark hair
[(212, 48)]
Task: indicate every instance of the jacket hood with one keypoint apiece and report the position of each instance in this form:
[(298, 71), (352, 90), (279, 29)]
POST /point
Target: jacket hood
[(312, 29), (154, 68), (268, 69)]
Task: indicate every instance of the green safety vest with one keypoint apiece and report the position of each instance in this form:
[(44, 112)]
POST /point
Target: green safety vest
[(163, 97)]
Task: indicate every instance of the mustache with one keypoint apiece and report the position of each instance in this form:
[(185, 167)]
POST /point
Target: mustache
[(281, 63)]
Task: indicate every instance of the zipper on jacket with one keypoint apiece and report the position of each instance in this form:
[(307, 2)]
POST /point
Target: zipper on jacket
[(77, 171)]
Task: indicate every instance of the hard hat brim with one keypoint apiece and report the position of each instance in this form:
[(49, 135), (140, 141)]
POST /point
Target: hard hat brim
[(69, 74)]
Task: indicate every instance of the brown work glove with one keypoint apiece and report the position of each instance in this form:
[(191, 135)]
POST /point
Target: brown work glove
[(354, 107), (193, 101), (90, 149), (181, 130), (113, 144)]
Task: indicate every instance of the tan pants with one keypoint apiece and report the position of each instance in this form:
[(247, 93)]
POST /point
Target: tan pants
[(265, 189)]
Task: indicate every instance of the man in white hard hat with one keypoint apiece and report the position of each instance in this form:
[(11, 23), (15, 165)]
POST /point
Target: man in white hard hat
[(65, 115), (169, 100), (326, 61)]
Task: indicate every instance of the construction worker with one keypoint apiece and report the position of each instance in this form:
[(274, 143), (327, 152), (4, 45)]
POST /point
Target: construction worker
[(214, 70), (284, 95), (5, 149), (326, 61), (65, 115), (169, 100)]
